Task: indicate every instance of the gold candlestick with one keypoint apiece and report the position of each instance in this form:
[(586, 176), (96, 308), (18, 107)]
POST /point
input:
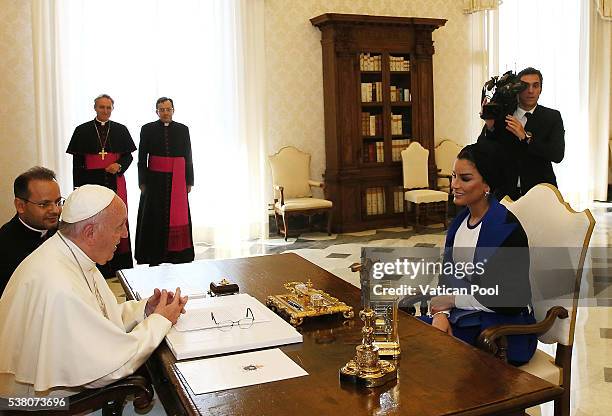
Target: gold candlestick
[(366, 368)]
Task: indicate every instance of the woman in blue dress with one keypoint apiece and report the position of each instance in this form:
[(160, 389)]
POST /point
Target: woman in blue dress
[(490, 237)]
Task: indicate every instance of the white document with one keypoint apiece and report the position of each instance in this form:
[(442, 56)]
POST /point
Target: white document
[(169, 277), (269, 330), (238, 370), (199, 314)]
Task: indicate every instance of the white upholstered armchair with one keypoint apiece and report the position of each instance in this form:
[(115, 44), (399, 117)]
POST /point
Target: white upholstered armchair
[(292, 189), (552, 227), (445, 154)]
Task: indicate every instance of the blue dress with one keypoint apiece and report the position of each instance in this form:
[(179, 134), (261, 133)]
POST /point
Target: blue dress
[(503, 251)]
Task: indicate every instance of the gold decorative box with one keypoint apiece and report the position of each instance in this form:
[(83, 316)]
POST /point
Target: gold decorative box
[(303, 301)]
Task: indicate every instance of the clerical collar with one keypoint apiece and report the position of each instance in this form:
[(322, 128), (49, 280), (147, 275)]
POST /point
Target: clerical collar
[(42, 232), (102, 122), (166, 124)]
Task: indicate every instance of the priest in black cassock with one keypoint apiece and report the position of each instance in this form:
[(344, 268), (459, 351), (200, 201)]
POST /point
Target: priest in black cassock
[(165, 176), (101, 152), (38, 203)]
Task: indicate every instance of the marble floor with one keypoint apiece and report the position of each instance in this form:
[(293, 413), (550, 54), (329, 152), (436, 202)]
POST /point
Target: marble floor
[(592, 354)]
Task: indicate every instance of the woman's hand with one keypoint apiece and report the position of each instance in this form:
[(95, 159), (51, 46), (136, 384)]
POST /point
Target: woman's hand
[(442, 303), (441, 322)]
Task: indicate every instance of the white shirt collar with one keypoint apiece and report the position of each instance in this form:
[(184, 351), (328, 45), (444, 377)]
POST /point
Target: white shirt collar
[(520, 113), (88, 264), (102, 122), (42, 232), (166, 124)]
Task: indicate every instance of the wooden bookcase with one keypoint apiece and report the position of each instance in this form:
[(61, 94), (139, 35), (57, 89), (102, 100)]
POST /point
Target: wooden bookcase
[(363, 134)]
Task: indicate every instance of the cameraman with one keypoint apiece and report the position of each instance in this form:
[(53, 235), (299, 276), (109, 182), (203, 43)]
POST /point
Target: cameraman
[(533, 138)]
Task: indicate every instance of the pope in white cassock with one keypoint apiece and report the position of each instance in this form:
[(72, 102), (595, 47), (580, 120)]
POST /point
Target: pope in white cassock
[(61, 329)]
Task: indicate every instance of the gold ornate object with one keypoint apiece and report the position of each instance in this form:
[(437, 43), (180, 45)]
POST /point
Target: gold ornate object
[(386, 336), (366, 368), (303, 301), (385, 309)]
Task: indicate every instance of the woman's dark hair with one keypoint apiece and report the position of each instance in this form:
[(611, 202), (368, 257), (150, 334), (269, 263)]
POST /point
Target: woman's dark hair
[(484, 160)]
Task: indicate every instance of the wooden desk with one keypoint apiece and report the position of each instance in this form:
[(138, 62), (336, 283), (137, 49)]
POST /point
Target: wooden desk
[(438, 374)]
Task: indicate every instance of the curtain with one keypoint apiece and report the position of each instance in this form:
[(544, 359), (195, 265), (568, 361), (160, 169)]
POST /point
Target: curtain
[(207, 56), (600, 48), (484, 62), (47, 87), (550, 36), (473, 6)]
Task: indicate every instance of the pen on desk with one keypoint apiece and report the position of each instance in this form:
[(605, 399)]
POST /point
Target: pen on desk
[(295, 305)]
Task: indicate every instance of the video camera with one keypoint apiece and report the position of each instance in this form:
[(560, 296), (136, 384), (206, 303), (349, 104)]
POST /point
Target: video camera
[(503, 101)]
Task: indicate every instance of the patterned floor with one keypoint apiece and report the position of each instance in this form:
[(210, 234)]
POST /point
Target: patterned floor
[(592, 357)]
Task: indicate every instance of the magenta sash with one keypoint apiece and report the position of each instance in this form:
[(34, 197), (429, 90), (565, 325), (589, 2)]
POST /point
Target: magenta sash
[(179, 235), (94, 161)]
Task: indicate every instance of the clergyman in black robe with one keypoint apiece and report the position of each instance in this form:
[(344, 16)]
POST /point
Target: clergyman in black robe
[(165, 177), (38, 203), (101, 152)]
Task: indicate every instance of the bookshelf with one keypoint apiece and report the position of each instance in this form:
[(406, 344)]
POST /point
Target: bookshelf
[(378, 96)]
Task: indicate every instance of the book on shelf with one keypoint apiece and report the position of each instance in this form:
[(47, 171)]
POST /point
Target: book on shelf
[(375, 201), (371, 92), (396, 124), (380, 152), (398, 94), (369, 62), (371, 124), (399, 63), (397, 145), (380, 197), (398, 198)]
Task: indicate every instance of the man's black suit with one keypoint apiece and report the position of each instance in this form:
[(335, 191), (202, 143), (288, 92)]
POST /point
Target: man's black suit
[(531, 162), (17, 242)]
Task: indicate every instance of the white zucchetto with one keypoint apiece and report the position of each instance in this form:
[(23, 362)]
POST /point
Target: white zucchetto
[(85, 202)]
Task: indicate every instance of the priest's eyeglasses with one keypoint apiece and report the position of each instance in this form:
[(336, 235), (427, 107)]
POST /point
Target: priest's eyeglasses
[(244, 323), (47, 204)]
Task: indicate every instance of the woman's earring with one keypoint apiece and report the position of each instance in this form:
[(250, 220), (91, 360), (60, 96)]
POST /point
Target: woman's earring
[(487, 193)]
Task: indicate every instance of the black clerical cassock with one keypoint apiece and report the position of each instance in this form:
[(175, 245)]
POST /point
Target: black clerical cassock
[(95, 146), (165, 169), (17, 242)]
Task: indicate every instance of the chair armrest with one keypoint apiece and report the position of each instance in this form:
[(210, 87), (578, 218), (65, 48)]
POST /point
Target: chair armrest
[(316, 183), (280, 189), (493, 339)]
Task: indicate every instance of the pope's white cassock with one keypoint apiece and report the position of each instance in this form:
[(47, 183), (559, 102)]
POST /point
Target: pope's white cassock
[(54, 337)]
